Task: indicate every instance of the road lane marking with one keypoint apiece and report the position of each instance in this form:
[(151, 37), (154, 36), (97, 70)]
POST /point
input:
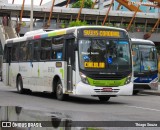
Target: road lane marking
[(144, 108)]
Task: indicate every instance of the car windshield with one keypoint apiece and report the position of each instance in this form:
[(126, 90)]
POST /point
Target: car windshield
[(144, 58), (103, 54)]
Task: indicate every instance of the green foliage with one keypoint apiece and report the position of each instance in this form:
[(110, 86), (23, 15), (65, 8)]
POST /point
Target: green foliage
[(87, 4), (109, 24), (77, 23), (63, 25)]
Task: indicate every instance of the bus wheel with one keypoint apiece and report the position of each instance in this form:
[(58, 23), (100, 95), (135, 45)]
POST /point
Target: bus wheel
[(20, 85), (59, 91), (103, 98)]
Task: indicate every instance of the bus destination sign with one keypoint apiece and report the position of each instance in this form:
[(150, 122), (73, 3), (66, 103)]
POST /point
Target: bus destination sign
[(94, 65), (101, 33)]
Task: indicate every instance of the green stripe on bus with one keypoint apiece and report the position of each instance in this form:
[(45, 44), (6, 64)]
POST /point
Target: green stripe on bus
[(56, 33), (62, 72), (52, 34), (107, 83), (38, 72)]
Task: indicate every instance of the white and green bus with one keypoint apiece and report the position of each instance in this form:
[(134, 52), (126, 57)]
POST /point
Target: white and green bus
[(86, 60)]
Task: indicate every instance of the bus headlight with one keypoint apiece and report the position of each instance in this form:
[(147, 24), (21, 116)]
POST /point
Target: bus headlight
[(83, 78), (155, 80), (154, 84), (128, 79)]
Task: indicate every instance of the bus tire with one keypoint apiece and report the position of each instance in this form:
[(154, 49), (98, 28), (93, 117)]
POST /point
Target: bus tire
[(59, 92), (20, 85), (135, 92), (104, 98)]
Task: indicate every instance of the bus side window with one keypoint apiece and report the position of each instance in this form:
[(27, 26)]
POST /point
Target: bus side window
[(22, 51), (36, 50), (45, 49), (29, 51), (15, 51), (57, 48)]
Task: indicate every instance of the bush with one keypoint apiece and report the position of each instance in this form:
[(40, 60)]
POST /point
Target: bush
[(77, 23)]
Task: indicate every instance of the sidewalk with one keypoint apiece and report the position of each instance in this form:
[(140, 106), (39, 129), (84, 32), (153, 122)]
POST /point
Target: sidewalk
[(152, 92)]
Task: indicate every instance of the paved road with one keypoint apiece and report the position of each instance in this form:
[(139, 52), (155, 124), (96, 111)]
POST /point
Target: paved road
[(141, 107)]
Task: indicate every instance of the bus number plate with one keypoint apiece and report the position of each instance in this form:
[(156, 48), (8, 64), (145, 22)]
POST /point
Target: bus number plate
[(107, 89)]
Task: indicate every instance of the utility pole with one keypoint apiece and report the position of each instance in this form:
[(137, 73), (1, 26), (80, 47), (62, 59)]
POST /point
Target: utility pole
[(31, 16)]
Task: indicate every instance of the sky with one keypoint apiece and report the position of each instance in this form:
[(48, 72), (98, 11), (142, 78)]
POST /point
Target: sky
[(28, 2)]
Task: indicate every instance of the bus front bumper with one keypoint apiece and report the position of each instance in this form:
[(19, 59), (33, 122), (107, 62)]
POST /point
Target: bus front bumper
[(85, 89), (144, 86)]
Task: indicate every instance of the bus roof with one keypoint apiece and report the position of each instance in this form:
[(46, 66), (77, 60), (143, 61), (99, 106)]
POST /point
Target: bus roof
[(141, 41), (44, 34)]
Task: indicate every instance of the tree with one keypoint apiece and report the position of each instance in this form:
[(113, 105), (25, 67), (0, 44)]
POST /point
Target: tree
[(87, 4)]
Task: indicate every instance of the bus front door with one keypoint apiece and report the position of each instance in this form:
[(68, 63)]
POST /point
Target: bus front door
[(70, 58), (9, 65)]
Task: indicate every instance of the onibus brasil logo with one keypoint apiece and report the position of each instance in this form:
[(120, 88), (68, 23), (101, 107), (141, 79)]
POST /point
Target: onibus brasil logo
[(130, 2)]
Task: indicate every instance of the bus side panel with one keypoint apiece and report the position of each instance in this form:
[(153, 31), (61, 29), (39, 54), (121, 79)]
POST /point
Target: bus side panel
[(43, 73), (5, 73), (25, 70), (46, 70), (13, 71), (61, 71), (35, 74), (52, 69)]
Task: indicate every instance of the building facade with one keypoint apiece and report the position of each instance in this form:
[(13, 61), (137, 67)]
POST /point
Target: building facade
[(103, 4), (145, 9)]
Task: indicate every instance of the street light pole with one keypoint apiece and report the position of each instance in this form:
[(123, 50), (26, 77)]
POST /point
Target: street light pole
[(31, 16)]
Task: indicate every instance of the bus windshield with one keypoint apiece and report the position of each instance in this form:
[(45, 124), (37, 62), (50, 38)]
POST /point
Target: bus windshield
[(108, 55), (145, 58)]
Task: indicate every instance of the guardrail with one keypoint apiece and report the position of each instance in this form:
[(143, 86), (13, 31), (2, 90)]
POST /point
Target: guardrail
[(59, 25)]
